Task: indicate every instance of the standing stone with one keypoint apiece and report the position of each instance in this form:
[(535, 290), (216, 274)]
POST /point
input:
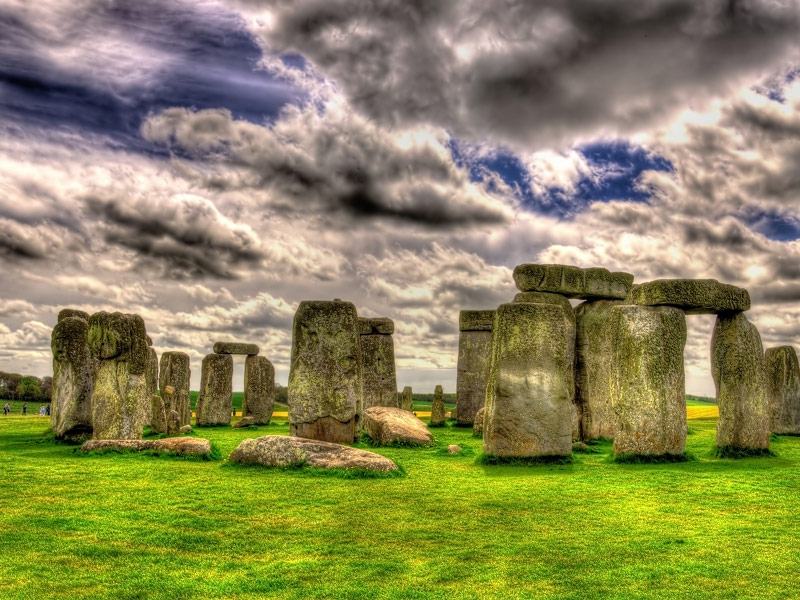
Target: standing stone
[(647, 380), (474, 362), (407, 399), (151, 376), (120, 402), (174, 371), (173, 422), (531, 384), (158, 418), (594, 346), (214, 403), (377, 354), (477, 426), (184, 406), (73, 372), (326, 383), (259, 389), (739, 372), (783, 387), (437, 408)]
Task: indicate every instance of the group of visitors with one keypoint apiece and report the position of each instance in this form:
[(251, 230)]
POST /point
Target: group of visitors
[(44, 409)]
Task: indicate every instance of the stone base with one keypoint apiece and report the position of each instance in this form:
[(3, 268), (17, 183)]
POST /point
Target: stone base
[(325, 429)]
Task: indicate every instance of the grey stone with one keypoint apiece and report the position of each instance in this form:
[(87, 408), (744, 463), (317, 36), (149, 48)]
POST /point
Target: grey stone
[(573, 282), (739, 372), (475, 320), (185, 429), (72, 312), (693, 296), (235, 348), (531, 384), (377, 356), (151, 377), (474, 361), (259, 389), (73, 374), (407, 399), (647, 380), (182, 446), (214, 402), (543, 298), (282, 451), (783, 388), (244, 422), (326, 383), (158, 414), (174, 371), (437, 408), (173, 422), (477, 425), (453, 449), (387, 425), (184, 407), (375, 326)]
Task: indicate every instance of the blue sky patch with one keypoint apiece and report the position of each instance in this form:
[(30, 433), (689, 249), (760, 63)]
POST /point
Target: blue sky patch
[(781, 228)]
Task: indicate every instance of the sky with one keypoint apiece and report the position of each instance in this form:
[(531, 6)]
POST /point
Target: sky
[(209, 164)]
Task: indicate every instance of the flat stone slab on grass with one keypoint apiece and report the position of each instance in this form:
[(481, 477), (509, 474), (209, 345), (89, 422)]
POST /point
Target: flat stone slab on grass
[(387, 425), (283, 451), (573, 282), (179, 445), (235, 348), (244, 422), (693, 296)]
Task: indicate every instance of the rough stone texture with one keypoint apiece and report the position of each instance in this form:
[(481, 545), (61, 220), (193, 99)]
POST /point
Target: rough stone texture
[(235, 348), (179, 445), (783, 388), (151, 376), (258, 400), (283, 451), (158, 414), (647, 380), (375, 326), (477, 426), (214, 403), (184, 407), (543, 298), (594, 346), (437, 407), (185, 429), (573, 282), (72, 312), (174, 371), (377, 356), (244, 422), (407, 399), (693, 296), (73, 373), (120, 402), (173, 422), (740, 375), (453, 449), (387, 425), (475, 320), (326, 373)]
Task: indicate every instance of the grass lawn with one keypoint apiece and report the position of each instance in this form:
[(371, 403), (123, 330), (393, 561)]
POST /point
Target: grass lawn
[(131, 526)]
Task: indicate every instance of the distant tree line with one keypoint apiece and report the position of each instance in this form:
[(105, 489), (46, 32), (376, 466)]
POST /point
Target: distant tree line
[(25, 388)]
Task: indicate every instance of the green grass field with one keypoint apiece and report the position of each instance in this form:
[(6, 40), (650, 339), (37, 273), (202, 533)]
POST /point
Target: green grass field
[(132, 526)]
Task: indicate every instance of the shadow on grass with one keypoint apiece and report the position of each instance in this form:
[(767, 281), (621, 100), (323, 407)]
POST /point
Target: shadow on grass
[(304, 470), (214, 455), (465, 451), (652, 459), (733, 452), (522, 461), (369, 442)]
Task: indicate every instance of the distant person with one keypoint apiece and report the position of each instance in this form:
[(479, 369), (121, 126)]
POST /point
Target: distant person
[(6, 409), (25, 408), (47, 410), (234, 411), (41, 410)]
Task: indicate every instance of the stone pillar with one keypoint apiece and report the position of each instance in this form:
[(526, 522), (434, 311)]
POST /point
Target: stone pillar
[(531, 382), (259, 389), (73, 373), (174, 371), (214, 403), (326, 383), (739, 371), (783, 389), (437, 408), (158, 414), (407, 399), (120, 402), (474, 362), (377, 354), (647, 380)]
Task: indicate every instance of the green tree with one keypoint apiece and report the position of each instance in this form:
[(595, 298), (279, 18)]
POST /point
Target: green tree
[(8, 385), (29, 389)]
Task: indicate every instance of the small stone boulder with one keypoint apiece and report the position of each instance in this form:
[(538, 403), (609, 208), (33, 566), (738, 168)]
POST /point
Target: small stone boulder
[(244, 422), (453, 449), (573, 282), (283, 451), (185, 429), (235, 348), (692, 296), (387, 425), (179, 445)]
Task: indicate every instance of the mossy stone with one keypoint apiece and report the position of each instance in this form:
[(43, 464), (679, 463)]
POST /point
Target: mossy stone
[(472, 372), (693, 296), (174, 371), (72, 312), (407, 399), (121, 337), (236, 348), (214, 402), (258, 401), (120, 403), (783, 389), (543, 298), (380, 375), (437, 408), (573, 282), (73, 374), (475, 320), (375, 326), (158, 414), (477, 425)]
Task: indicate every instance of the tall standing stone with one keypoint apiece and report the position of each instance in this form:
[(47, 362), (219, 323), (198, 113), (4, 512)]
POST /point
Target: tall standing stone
[(174, 371), (158, 415), (120, 402), (474, 362), (73, 372), (647, 380), (739, 372), (214, 403), (783, 387), (151, 376), (437, 408), (531, 383), (326, 383), (259, 389), (377, 354), (407, 399)]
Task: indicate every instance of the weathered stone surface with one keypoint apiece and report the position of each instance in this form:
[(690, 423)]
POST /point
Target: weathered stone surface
[(531, 384), (476, 320), (158, 414), (477, 426), (579, 447), (693, 296), (375, 326), (454, 413), (573, 282), (185, 429), (326, 372), (453, 449), (543, 298), (259, 389), (73, 373), (173, 422), (407, 399), (214, 402), (387, 425), (179, 445), (594, 346), (377, 356), (151, 377), (244, 422), (437, 408), (174, 371), (235, 348), (783, 389), (72, 312), (283, 451), (647, 380), (120, 402), (474, 361), (184, 406), (740, 375)]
